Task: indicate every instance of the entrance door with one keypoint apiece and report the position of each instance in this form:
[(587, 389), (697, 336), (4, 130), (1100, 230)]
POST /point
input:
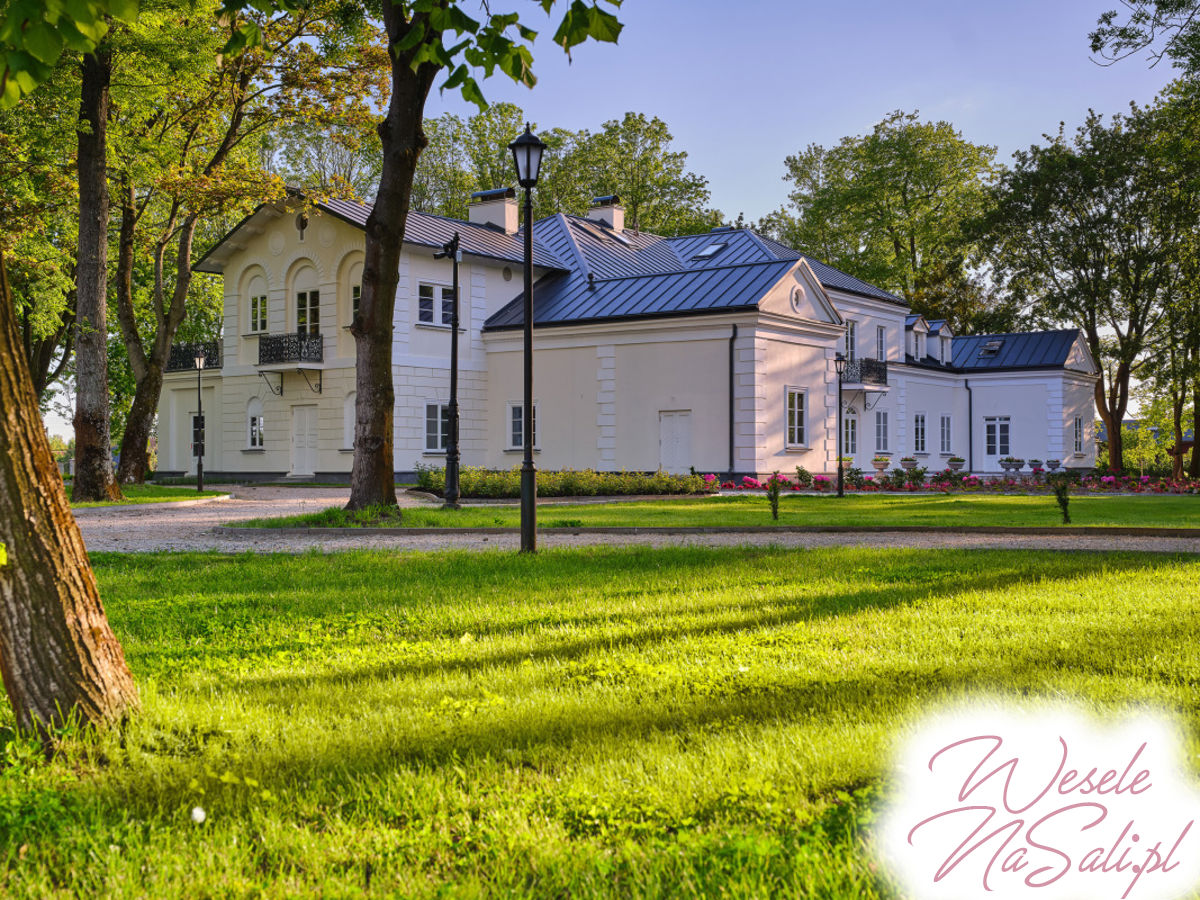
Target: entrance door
[(995, 442), (304, 440), (675, 441)]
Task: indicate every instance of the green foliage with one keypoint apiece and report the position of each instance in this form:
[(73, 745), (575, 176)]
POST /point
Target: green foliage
[(133, 494), (803, 477), (1169, 28), (490, 483), (774, 487), (1061, 484), (891, 207)]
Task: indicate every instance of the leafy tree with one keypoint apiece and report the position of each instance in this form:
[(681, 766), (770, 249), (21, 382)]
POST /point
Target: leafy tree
[(184, 147), (1080, 231), (426, 37), (892, 207), (1169, 28)]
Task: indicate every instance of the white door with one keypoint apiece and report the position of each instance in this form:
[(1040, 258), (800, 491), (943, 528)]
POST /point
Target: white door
[(304, 440), (996, 444), (675, 441)]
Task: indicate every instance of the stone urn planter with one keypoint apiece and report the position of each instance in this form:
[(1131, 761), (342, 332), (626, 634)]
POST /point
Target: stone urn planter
[(1053, 464), (1011, 466), (956, 463), (881, 463), (908, 463)]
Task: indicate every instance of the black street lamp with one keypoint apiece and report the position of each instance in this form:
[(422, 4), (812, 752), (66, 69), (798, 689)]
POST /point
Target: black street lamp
[(527, 156), (839, 363), (198, 429), (451, 494)]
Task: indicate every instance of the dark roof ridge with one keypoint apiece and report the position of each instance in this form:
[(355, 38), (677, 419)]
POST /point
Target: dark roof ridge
[(698, 270)]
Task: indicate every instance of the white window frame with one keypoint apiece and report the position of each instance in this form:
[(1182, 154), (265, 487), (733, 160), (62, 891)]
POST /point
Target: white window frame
[(442, 421), (919, 435), (355, 297), (1079, 435), (881, 343), (255, 437), (917, 355), (509, 408), (946, 427), (851, 341), (440, 312), (881, 431), (993, 423), (849, 435), (258, 313), (310, 302), (792, 429), (946, 355)]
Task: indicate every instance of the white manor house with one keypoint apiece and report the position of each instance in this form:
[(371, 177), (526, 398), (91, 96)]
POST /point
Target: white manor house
[(712, 351)]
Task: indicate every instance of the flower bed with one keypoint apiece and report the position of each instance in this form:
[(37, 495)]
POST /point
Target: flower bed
[(494, 484), (913, 480)]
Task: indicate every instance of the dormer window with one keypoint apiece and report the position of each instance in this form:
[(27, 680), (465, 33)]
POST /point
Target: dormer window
[(918, 345), (711, 250)]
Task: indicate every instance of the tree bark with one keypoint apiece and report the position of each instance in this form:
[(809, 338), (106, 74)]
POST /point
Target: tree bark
[(1194, 465), (58, 656), (372, 477), (93, 446)]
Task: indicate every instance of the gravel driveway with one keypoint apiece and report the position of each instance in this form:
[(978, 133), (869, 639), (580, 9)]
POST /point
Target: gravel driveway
[(150, 527)]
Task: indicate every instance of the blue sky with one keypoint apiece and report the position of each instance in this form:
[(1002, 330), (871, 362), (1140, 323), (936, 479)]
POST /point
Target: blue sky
[(742, 85)]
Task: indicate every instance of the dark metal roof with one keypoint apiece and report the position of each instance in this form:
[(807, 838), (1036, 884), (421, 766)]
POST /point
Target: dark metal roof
[(495, 194), (936, 325), (1032, 350), (426, 230), (572, 299)]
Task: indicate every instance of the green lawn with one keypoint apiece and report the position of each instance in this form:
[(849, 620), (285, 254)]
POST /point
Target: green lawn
[(603, 723), (959, 510), (150, 493)]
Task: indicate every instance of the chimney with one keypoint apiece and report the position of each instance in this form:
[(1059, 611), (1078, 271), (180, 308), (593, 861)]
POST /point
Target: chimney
[(496, 208), (609, 211)]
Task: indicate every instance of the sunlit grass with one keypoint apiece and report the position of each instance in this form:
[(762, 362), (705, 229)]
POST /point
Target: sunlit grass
[(601, 723), (955, 510), (149, 493)]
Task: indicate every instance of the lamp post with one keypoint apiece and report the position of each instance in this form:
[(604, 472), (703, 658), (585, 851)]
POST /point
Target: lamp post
[(527, 156), (198, 430), (839, 363), (451, 494)]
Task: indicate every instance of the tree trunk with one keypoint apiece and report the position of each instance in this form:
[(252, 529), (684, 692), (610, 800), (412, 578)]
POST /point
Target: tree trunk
[(1177, 401), (93, 446), (58, 656), (372, 478)]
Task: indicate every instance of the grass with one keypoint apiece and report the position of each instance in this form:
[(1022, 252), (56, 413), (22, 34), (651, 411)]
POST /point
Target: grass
[(958, 510), (602, 723), (150, 493)]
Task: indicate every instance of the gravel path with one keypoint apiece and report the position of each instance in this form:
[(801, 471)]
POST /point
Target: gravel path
[(141, 529)]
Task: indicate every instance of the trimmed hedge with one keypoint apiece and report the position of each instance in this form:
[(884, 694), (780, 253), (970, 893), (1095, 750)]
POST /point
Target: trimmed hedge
[(490, 483)]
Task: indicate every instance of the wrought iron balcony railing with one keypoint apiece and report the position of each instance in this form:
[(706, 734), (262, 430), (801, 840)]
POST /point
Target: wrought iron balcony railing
[(183, 356), (865, 371), (290, 348)]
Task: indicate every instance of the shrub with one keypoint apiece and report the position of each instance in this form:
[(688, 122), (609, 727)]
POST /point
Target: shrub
[(915, 477), (774, 484), (477, 482), (1062, 495), (855, 478), (803, 477)]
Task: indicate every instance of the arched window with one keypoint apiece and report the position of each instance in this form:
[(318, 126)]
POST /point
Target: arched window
[(254, 424), (348, 421), (308, 302)]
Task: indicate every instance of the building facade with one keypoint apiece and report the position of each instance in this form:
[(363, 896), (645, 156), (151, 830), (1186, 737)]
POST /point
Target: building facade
[(714, 352)]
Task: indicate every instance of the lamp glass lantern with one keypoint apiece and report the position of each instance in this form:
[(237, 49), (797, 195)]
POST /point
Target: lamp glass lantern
[(201, 358), (839, 363), (527, 156)]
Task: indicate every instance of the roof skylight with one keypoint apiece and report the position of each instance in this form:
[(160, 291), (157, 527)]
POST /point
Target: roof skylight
[(990, 348), (711, 250)]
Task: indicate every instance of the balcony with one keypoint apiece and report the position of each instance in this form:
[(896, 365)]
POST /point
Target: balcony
[(291, 350), (183, 356), (865, 372)]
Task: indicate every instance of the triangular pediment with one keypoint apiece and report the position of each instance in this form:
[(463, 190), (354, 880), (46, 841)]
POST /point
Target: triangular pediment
[(800, 295)]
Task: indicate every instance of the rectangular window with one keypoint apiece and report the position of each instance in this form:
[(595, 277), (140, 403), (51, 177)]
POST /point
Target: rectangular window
[(794, 406), (256, 432), (881, 431), (919, 433), (1079, 434), (919, 345), (996, 436), (308, 312), (355, 297), (516, 426), (947, 432), (880, 343), (258, 314), (437, 425), (429, 310), (851, 340), (849, 436)]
